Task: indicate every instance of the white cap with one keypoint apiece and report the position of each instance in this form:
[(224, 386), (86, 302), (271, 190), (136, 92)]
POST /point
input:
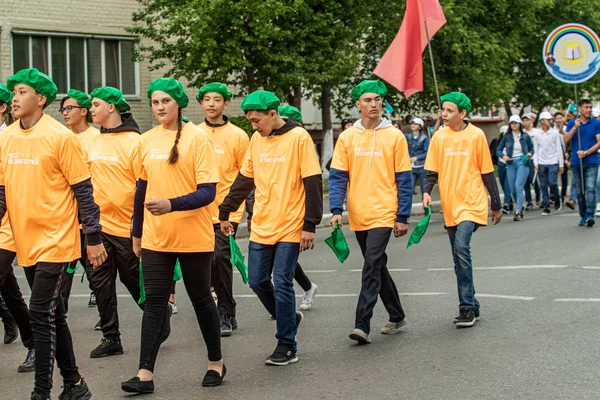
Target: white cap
[(595, 112), (515, 118), (545, 115), (504, 129), (417, 121), (529, 116)]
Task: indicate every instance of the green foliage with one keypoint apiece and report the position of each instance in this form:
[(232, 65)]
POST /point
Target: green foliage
[(243, 123)]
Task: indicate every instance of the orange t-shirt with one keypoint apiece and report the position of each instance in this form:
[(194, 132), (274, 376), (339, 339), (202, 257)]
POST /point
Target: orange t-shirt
[(7, 242), (372, 190), (230, 145), (38, 166), (86, 136), (178, 231), (278, 165), (460, 158), (114, 162)]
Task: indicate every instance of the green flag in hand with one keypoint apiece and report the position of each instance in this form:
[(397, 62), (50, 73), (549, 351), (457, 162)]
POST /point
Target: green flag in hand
[(420, 229), (237, 259), (177, 275), (71, 270), (338, 243)]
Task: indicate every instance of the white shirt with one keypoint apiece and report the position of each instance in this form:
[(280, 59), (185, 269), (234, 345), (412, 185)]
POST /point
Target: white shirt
[(3, 126), (517, 149), (548, 148)]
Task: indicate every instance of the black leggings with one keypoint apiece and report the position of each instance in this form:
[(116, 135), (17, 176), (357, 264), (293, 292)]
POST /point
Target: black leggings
[(158, 270), (302, 279)]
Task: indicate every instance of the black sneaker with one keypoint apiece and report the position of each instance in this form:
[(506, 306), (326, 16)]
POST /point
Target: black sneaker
[(283, 355), (506, 210), (590, 222), (106, 348), (98, 326), (11, 331), (476, 316), (546, 211), (226, 326), (299, 318), (518, 216), (75, 392), (37, 396), (134, 385), (92, 301), (529, 207), (466, 318), (29, 363), (558, 204)]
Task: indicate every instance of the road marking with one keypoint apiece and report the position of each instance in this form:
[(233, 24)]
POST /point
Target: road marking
[(507, 267), (320, 271), (440, 269), (502, 296), (594, 268), (591, 300), (389, 269)]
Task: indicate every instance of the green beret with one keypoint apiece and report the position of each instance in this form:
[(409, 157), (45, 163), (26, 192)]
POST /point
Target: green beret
[(214, 87), (458, 98), (79, 96), (261, 100), (35, 79), (170, 86), (375, 86), (111, 95), (185, 119), (5, 94), (290, 112)]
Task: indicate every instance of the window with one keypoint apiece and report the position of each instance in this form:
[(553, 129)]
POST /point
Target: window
[(79, 62)]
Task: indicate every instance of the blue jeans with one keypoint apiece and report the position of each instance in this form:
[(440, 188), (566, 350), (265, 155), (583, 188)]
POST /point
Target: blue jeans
[(277, 297), (460, 242), (503, 176), (517, 171), (548, 175), (598, 185), (418, 173), (586, 190)]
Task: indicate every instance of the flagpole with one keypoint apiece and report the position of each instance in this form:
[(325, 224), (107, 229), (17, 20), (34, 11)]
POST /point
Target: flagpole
[(437, 90)]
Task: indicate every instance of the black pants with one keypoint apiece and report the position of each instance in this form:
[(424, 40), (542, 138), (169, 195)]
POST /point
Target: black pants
[(376, 279), (158, 270), (120, 259), (51, 334), (222, 271), (11, 293), (564, 181), (302, 279)]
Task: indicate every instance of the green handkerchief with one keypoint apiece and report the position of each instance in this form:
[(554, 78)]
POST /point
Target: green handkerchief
[(337, 243), (237, 259), (176, 276), (420, 229), (71, 270)]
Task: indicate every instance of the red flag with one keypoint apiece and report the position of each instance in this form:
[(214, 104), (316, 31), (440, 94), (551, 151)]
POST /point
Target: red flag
[(402, 64)]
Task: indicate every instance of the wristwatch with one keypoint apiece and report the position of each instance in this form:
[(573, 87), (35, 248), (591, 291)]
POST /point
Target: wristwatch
[(585, 153)]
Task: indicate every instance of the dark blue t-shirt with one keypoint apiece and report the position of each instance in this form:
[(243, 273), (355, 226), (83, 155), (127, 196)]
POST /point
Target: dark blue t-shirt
[(588, 132)]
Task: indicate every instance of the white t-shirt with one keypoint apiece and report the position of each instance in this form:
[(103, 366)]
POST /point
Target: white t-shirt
[(517, 149)]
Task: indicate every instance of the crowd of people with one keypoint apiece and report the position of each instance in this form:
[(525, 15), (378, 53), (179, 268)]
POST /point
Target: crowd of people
[(145, 205)]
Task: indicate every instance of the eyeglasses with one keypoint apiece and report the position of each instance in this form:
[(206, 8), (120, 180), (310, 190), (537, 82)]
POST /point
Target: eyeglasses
[(68, 109)]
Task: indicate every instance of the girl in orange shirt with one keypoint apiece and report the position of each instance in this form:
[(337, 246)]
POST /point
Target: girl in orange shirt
[(171, 221)]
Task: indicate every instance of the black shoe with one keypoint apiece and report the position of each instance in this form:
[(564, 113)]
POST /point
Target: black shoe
[(466, 318), (299, 318), (134, 385), (212, 377), (226, 326), (518, 216), (29, 363), (92, 301), (37, 396), (106, 348), (558, 204), (11, 331), (98, 326), (506, 210), (590, 222), (75, 392), (546, 211), (283, 355), (529, 207), (167, 324), (234, 324), (476, 315)]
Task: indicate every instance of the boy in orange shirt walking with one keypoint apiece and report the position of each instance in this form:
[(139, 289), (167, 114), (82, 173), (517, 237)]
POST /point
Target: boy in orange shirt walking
[(459, 161)]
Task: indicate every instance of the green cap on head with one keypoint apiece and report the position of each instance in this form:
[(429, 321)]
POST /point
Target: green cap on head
[(458, 98), (172, 87), (5, 94), (35, 79), (214, 87), (111, 95), (261, 100), (290, 112), (80, 97), (369, 86)]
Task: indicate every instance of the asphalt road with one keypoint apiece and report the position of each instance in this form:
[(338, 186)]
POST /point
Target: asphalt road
[(537, 281)]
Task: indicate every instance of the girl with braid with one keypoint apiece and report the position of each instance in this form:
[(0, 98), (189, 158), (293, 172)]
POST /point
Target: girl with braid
[(171, 221)]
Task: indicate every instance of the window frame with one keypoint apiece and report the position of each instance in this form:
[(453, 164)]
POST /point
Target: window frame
[(67, 36)]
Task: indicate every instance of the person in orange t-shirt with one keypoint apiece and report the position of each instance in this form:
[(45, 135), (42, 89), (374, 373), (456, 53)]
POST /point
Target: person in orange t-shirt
[(41, 159), (230, 145), (459, 161), (113, 158), (371, 161), (75, 110), (283, 167), (171, 221)]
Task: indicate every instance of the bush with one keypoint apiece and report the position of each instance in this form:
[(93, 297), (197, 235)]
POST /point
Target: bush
[(243, 123)]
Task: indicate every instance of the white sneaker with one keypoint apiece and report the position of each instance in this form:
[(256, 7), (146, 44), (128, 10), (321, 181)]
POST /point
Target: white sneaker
[(307, 298), (174, 307), (597, 209)]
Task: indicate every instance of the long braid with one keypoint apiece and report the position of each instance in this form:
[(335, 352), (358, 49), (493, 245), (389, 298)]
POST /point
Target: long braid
[(174, 152), (9, 117)]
